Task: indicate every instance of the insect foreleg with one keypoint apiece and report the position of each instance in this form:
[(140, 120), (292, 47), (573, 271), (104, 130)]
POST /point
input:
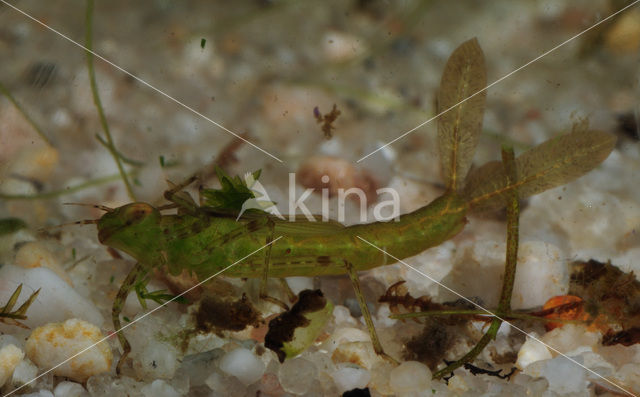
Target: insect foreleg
[(377, 346), (183, 200), (128, 284)]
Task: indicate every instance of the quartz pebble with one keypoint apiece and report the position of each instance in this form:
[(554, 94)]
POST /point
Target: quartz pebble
[(340, 46), (562, 377), (242, 364), (155, 360), (56, 301), (360, 353), (10, 357), (542, 273), (410, 376), (69, 389), (39, 393), (25, 372), (296, 375), (571, 338), (344, 335), (349, 377), (159, 388), (35, 254), (530, 352), (105, 385), (54, 343), (228, 385)]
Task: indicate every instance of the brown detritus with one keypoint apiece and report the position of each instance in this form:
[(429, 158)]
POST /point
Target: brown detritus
[(282, 328), (431, 345), (626, 337), (217, 315), (628, 124), (607, 291), (509, 357), (612, 300), (327, 120)]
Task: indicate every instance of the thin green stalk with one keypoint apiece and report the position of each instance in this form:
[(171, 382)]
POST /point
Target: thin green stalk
[(61, 192), (15, 103), (513, 211), (98, 102), (511, 262)]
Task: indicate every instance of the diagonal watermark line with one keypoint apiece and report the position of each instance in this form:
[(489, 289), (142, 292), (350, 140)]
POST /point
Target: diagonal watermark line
[(159, 91), (143, 316), (499, 318), (499, 80)]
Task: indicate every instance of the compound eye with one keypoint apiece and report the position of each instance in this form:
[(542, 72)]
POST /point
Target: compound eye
[(137, 211)]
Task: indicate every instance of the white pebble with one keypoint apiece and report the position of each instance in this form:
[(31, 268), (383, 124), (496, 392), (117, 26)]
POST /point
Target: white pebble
[(54, 343), (342, 316), (296, 375), (298, 284), (344, 335), (106, 385), (340, 46), (24, 372), (155, 360), (9, 340), (571, 339), (35, 254), (242, 364), (35, 162), (56, 301), (530, 352), (348, 377), (69, 389), (159, 388), (226, 385), (564, 376), (39, 393), (542, 273), (360, 353), (10, 357), (410, 376)]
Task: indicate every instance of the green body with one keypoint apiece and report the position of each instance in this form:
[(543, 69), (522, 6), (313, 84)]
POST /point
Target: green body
[(208, 243)]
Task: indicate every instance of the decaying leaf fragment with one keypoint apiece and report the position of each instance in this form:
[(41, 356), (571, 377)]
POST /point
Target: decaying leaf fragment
[(605, 297), (293, 331)]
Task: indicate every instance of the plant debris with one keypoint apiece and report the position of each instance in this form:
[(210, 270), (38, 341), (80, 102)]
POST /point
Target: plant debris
[(294, 330), (327, 120), (215, 314)]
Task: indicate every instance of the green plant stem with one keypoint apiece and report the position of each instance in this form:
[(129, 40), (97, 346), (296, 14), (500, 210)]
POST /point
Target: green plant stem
[(96, 99), (33, 124), (511, 262)]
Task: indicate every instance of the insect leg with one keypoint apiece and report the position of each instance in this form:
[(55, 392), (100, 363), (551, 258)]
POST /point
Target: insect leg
[(290, 294), (265, 274), (127, 285), (377, 346), (182, 200)]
